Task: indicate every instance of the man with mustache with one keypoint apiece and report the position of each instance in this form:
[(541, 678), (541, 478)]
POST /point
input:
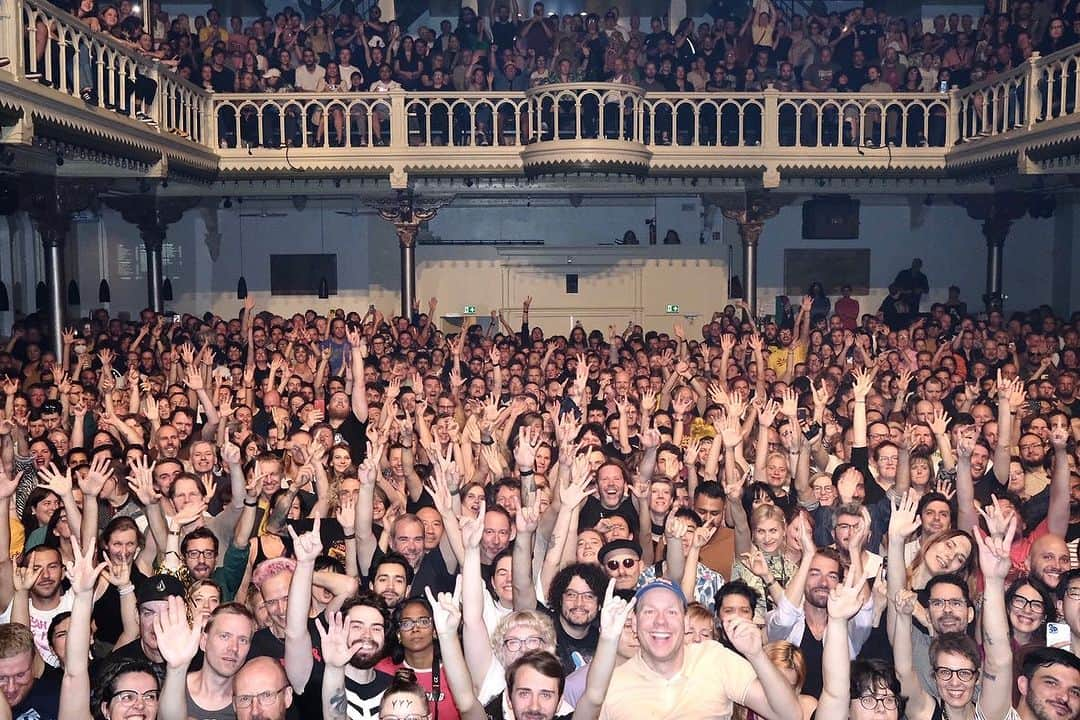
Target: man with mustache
[(950, 610), (1049, 685), (366, 619), (225, 641), (803, 625)]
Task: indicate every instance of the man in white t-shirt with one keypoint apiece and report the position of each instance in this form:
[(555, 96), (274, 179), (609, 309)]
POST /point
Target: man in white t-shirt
[(44, 596), (309, 73)]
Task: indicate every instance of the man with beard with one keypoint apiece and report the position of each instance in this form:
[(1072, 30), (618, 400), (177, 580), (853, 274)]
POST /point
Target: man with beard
[(574, 596), (391, 578), (206, 694), (1049, 685), (803, 625), (936, 514), (47, 599), (1048, 558), (367, 618)]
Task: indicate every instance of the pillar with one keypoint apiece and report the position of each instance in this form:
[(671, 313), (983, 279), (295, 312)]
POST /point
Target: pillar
[(153, 235), (406, 233), (406, 211), (50, 202), (995, 229), (152, 215), (52, 240), (749, 211), (750, 234), (997, 213)]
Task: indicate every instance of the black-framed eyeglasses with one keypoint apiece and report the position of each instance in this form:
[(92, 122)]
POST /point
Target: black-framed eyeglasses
[(952, 603), (410, 623), (1019, 602), (871, 702), (203, 554), (945, 674), (627, 563), (587, 596), (264, 698)]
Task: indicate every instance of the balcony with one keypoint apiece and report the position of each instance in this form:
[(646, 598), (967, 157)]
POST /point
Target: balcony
[(1024, 122)]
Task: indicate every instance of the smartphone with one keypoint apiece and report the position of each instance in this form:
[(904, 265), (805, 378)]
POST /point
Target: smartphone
[(320, 405), (1058, 635)]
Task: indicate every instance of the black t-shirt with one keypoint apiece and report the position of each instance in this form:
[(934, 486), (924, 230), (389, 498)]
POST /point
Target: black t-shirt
[(106, 612), (503, 33), (330, 532), (574, 652), (868, 40), (43, 702), (354, 432), (134, 651), (223, 80), (593, 512)]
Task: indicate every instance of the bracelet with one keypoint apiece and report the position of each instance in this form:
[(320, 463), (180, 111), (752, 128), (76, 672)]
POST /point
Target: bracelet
[(525, 473), (251, 504), (350, 536), (487, 441), (126, 589)]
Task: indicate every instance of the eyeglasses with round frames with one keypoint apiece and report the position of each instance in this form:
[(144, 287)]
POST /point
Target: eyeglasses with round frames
[(871, 702), (410, 623), (533, 642), (627, 563)]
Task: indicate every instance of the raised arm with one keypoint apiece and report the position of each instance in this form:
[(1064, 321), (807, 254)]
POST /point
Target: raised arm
[(613, 615), (446, 612), (75, 687), (477, 637), (298, 660), (524, 587), (920, 704), (844, 603), (1057, 516), (358, 348), (178, 643), (770, 695), (996, 696)]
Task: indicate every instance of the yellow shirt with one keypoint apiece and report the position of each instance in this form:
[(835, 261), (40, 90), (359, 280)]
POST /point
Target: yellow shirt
[(778, 357), (18, 535), (711, 680)]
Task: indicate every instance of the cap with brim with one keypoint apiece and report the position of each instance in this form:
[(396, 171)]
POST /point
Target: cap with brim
[(616, 545), (272, 73), (661, 584), (159, 587)]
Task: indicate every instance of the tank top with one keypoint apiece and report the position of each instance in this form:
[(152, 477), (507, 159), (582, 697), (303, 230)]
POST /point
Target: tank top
[(194, 712)]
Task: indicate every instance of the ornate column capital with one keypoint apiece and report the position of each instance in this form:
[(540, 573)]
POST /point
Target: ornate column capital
[(51, 201), (997, 212)]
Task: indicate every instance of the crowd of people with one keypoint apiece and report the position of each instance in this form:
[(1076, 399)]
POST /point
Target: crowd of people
[(361, 516), (862, 50)]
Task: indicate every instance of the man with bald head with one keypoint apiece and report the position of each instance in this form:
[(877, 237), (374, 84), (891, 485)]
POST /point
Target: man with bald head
[(261, 691), (1048, 559)]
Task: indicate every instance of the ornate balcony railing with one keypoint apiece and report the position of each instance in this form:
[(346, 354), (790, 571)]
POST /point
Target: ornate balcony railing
[(546, 128)]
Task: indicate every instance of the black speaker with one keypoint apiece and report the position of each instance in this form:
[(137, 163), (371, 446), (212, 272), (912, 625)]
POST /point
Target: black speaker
[(831, 218)]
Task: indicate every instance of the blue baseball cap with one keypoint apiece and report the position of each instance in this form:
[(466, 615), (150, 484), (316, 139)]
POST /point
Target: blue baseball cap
[(661, 584)]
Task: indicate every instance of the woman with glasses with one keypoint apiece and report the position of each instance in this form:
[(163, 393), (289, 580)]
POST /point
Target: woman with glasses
[(1031, 605), (416, 648)]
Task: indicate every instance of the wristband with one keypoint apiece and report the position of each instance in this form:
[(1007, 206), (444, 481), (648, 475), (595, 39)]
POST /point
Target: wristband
[(126, 589), (487, 441), (525, 473), (351, 536), (251, 504)]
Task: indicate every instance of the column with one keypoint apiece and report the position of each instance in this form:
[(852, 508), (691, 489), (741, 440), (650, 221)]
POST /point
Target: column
[(997, 213), (153, 235), (52, 240), (406, 232), (152, 215), (407, 211), (50, 202), (749, 211), (750, 234), (995, 230)]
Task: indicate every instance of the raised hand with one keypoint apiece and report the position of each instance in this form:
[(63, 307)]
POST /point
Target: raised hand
[(141, 481), (995, 558), (905, 519), (904, 601), (445, 611), (100, 472), (336, 650), (81, 572), (528, 441), (844, 599), (997, 518), (939, 422), (472, 529), (346, 514), (754, 561), (52, 479), (1059, 438), (24, 577), (178, 641), (528, 516), (308, 546), (613, 613), (769, 411), (230, 454)]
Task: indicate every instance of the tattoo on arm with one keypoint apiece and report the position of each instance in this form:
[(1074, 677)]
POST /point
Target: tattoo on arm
[(339, 704)]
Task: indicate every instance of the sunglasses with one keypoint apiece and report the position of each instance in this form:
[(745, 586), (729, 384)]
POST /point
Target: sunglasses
[(627, 563)]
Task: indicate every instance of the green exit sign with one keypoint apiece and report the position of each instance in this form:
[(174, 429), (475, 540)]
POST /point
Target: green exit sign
[(672, 309), (470, 309)]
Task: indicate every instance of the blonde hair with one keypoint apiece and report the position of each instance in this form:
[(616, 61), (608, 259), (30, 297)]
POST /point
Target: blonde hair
[(539, 623), (767, 512)]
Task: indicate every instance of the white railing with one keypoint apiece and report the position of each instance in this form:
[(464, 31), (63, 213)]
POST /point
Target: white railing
[(50, 46), (718, 129)]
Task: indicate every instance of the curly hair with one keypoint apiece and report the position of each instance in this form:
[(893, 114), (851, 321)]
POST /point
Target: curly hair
[(540, 623), (593, 575)]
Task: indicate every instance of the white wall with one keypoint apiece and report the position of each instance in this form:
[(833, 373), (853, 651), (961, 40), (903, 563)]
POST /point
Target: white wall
[(616, 284)]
